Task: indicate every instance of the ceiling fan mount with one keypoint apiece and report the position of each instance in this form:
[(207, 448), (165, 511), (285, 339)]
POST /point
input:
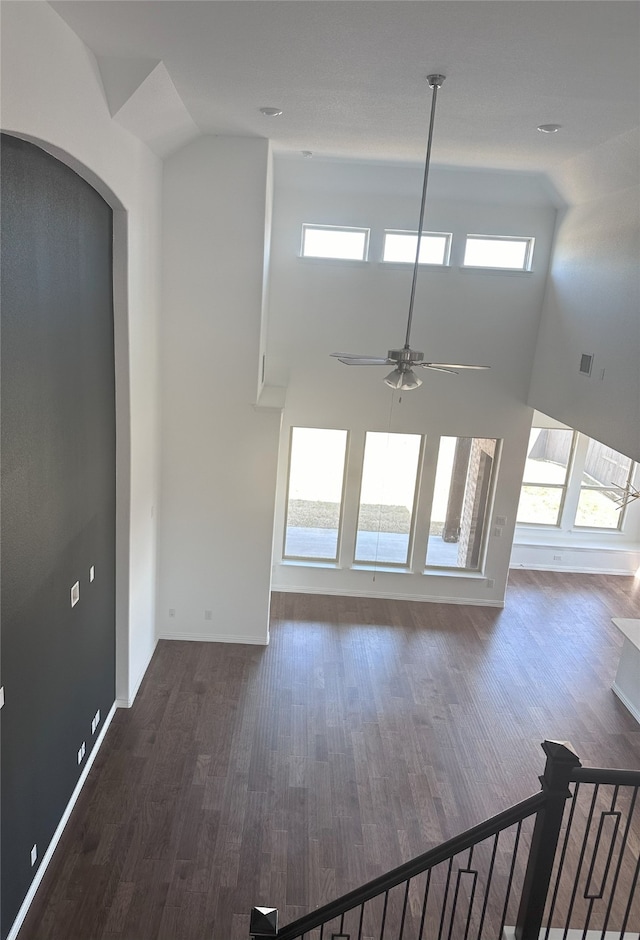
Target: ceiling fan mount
[(405, 359)]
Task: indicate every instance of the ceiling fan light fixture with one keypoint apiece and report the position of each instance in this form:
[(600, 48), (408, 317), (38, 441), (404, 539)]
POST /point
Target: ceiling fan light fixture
[(403, 380)]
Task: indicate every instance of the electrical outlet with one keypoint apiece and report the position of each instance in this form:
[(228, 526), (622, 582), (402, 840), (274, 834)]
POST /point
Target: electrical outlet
[(557, 557), (208, 615), (34, 855), (75, 594), (491, 582), (95, 722), (172, 612), (92, 573), (81, 752), (497, 531), (501, 520), (2, 697)]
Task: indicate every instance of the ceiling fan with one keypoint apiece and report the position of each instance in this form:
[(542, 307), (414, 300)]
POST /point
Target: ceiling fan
[(403, 377)]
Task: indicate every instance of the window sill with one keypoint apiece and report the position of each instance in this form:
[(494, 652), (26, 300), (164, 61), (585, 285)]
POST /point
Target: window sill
[(455, 573), (403, 265), (340, 262), (514, 272)]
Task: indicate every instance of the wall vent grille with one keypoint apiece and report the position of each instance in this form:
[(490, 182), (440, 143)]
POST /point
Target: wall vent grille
[(586, 362)]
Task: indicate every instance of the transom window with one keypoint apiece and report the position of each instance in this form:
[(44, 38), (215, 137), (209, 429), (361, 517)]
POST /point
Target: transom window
[(331, 241), (493, 251), (435, 247), (390, 511)]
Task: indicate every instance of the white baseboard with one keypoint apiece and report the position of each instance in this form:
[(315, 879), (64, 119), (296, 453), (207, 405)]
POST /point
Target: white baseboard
[(46, 858), (558, 933), (387, 596), (625, 701), (128, 702), (218, 638)]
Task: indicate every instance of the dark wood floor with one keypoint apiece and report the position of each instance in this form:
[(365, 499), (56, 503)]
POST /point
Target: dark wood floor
[(367, 732)]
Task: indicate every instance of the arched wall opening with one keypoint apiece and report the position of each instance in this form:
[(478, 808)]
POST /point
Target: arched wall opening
[(123, 678)]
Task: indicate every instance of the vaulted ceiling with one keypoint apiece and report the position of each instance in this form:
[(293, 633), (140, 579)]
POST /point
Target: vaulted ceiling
[(349, 75)]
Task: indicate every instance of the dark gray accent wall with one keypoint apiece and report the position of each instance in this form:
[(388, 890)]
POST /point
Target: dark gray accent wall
[(58, 496)]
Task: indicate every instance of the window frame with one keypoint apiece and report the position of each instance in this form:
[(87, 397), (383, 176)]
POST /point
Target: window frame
[(564, 487), (306, 226), (430, 568), (527, 265), (573, 488), (368, 563), (349, 511), (313, 559), (601, 488), (445, 263)]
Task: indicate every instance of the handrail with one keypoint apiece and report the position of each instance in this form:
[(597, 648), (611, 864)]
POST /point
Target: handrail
[(562, 768), (621, 778), (484, 830)]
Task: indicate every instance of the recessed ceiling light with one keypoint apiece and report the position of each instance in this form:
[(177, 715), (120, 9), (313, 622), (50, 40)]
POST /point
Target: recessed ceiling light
[(271, 112), (549, 128)]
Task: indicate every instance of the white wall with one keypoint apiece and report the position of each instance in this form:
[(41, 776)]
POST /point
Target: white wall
[(219, 452), (52, 95), (593, 301), (318, 307)]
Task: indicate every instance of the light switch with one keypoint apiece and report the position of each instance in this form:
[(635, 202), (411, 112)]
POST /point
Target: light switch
[(75, 594), (92, 573), (2, 697)]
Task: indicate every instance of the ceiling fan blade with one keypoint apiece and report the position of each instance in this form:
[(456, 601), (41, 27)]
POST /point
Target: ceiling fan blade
[(341, 355), (362, 361), (450, 365), (427, 365)]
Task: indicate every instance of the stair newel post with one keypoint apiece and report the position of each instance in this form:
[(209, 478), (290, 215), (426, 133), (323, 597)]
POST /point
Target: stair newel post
[(263, 922), (561, 762)]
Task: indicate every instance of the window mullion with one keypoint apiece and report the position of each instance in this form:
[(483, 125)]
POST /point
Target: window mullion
[(424, 500), (351, 499), (574, 479)]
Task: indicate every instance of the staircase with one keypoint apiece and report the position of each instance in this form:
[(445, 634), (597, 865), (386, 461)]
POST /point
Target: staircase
[(563, 864)]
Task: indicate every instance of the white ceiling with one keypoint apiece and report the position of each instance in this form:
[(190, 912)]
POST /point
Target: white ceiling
[(350, 74)]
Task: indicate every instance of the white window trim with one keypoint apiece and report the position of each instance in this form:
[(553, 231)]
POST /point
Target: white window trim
[(310, 559), (335, 228), (528, 258), (420, 521), (445, 263), (566, 525)]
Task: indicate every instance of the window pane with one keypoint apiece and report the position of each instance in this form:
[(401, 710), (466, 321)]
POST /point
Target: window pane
[(386, 497), (316, 473), (539, 505), (604, 466), (598, 509), (348, 244), (497, 252), (462, 487), (401, 246), (548, 455)]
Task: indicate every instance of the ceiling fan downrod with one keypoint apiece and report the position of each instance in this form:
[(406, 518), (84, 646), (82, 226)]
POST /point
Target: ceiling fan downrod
[(434, 82)]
